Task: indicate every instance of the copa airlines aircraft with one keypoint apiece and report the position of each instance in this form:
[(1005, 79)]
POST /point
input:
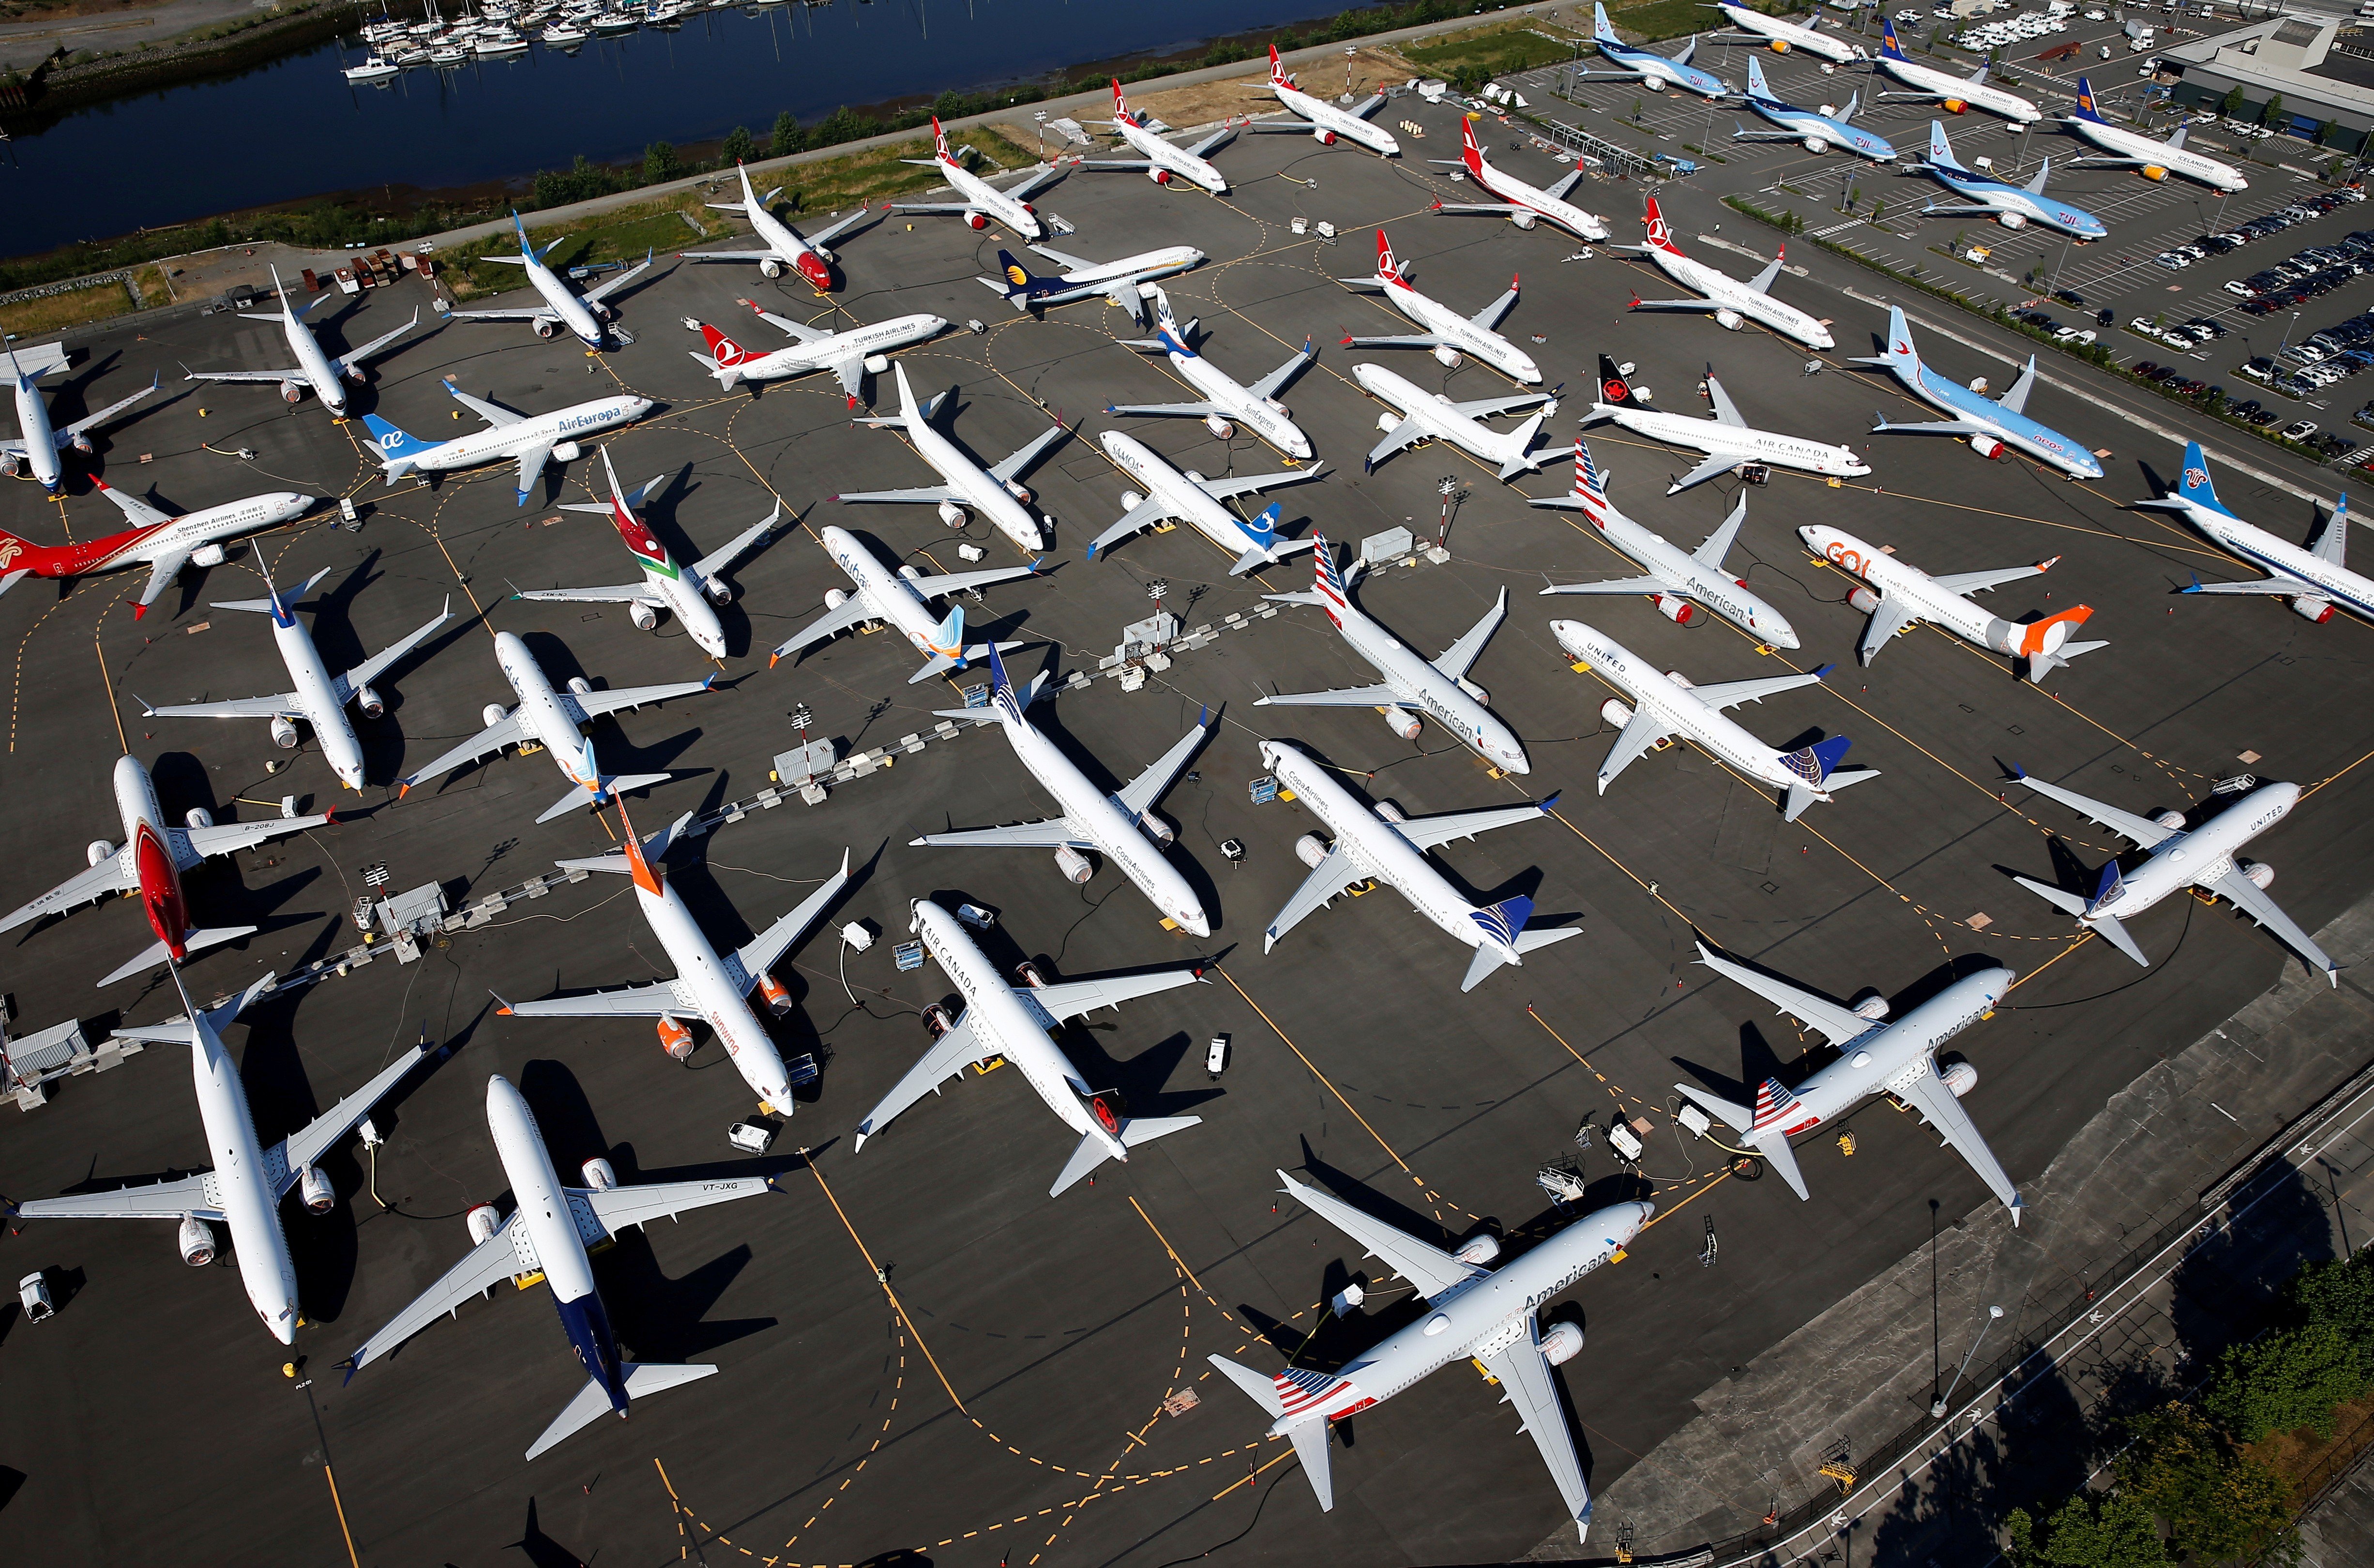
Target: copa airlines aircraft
[(899, 599), (1449, 335), (1787, 36), (1651, 70), (244, 1190), (586, 316), (984, 204), (1439, 688), (35, 444), (314, 368), (685, 592), (150, 863), (2013, 207), (2314, 580), (997, 493), (848, 355), (1818, 130), (1323, 121), (1990, 424), (1520, 204), (319, 698), (1190, 498), (561, 722), (1955, 94), (1421, 416), (1900, 595), (2133, 149), (1679, 580), (1122, 826), (1162, 160), (1367, 842), (1672, 704), (1874, 1057), (547, 1235), (1723, 436), (785, 246), (162, 542), (999, 1021), (1120, 284), (530, 439), (2181, 857), (1730, 301), (1226, 404), (708, 988)]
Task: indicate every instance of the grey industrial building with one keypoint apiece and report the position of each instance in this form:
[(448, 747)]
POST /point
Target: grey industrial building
[(2323, 70)]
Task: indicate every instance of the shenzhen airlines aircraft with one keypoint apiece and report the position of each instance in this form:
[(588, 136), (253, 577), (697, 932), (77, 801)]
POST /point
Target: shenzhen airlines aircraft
[(2133, 149), (785, 246), (897, 599), (1785, 37), (1953, 93), (315, 368), (1324, 121), (995, 492), (2314, 580), (1900, 595), (586, 316), (1160, 160), (1190, 498), (1520, 204), (162, 542), (1449, 335), (1730, 301), (848, 355), (530, 439), (1227, 403), (1724, 437), (1991, 424), (984, 204), (36, 442)]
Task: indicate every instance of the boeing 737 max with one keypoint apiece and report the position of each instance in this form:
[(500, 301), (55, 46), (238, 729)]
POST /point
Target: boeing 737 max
[(314, 367)]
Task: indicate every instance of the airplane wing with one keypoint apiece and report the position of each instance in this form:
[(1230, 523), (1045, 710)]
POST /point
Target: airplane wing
[(1484, 407), (190, 375), (851, 372), (1073, 998), (1834, 1023), (1740, 135), (1525, 1381), (1979, 582), (531, 467), (234, 708), (920, 494), (2246, 896), (1887, 618), (624, 593), (2145, 832), (621, 1207), (1715, 463), (619, 280), (1973, 209), (501, 1257), (1366, 107), (2016, 400), (1181, 409), (1460, 655), (191, 844), (1427, 832), (1275, 381), (1293, 125), (1489, 316), (505, 732), (1409, 432), (354, 357), (1718, 544), (1932, 427), (1617, 585), (933, 209), (1117, 163), (1724, 409), (757, 955), (93, 421), (386, 659), (1411, 340), (1426, 1266), (1699, 305), (493, 413), (1137, 796), (949, 1056), (1246, 484), (2256, 585), (1004, 473), (1929, 1095), (727, 255), (1037, 182), (799, 330), (741, 545), (137, 512), (1342, 697), (832, 623), (1493, 209), (112, 875), (660, 998), (156, 1201), (850, 225), (161, 573), (309, 1142), (1051, 833), (1762, 282), (1328, 879), (592, 704), (1721, 695), (1630, 745)]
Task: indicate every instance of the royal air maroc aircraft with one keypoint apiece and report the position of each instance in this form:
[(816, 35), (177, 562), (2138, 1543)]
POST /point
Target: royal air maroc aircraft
[(1875, 1055), (1449, 335), (1227, 403), (1480, 1313), (1670, 704), (2133, 150), (35, 445), (1420, 415), (314, 367), (1520, 204), (1926, 83), (1901, 595), (2181, 857), (2314, 580), (1160, 160), (1120, 284), (1990, 424), (2013, 207), (1317, 118), (1724, 437), (811, 257), (984, 204), (1190, 498), (999, 1021), (530, 439), (1791, 37), (587, 316), (995, 492), (898, 599), (1368, 843), (848, 355), (1817, 130), (162, 542), (242, 1192), (1731, 303), (547, 1236), (1651, 70), (1679, 580)]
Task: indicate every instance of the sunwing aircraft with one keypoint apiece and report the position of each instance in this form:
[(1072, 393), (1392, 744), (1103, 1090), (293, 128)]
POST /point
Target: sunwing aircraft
[(532, 441), (1162, 160), (1786, 36), (1901, 595), (984, 204), (812, 258), (1730, 301), (2133, 150), (2013, 207), (1319, 119), (162, 542), (588, 318), (1651, 70), (1448, 337), (1926, 83), (1818, 130), (995, 492), (1226, 404), (2313, 579), (1723, 436), (848, 355), (1990, 424), (1190, 498), (1419, 415), (1520, 204), (36, 442), (314, 367), (898, 599), (1122, 283)]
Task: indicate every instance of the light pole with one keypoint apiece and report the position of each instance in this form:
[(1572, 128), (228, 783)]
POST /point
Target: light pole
[(1937, 1406), (1452, 494), (1348, 74), (1042, 117)]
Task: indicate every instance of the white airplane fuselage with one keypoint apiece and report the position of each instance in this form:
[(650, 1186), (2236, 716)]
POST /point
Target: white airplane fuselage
[(560, 429), (722, 1001), (827, 353), (1946, 85), (1725, 595), (2157, 154), (887, 593), (242, 1188), (572, 312), (317, 698), (1265, 416), (1802, 40), (1892, 1055), (209, 525), (1170, 159), (1418, 683), (1499, 448), (1460, 334), (1670, 704), (1186, 499), (2352, 590), (1713, 436), (1091, 282), (2201, 856), (1918, 592), (979, 488), (1583, 226), (540, 710), (1730, 295), (320, 373), (40, 437), (989, 201), (1327, 122)]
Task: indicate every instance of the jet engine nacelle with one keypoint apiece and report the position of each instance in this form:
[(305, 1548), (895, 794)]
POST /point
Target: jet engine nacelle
[(80, 443), (1218, 426), (566, 451), (1957, 106), (2313, 609), (911, 572), (483, 1223), (1018, 491), (1075, 867), (1131, 500), (1160, 831), (1563, 1342), (936, 1021), (545, 326), (1028, 972), (598, 1175), (1862, 602), (979, 220), (1674, 607), (1389, 423), (1730, 321), (953, 515), (1986, 445), (198, 817), (580, 685), (358, 375), (284, 733), (209, 555), (1818, 146), (100, 852), (1310, 849), (2172, 821), (2153, 171), (291, 391), (1472, 689), (1401, 722), (1616, 713), (1447, 357), (10, 465), (1960, 1077), (2259, 874), (1160, 176), (1872, 1006), (1325, 137), (775, 994), (1681, 680), (1279, 407), (720, 592), (371, 702), (315, 1189), (1524, 217), (1480, 1249), (644, 617), (877, 364), (675, 1038), (196, 1240), (493, 714), (2012, 220), (1390, 811), (770, 268), (1780, 46)]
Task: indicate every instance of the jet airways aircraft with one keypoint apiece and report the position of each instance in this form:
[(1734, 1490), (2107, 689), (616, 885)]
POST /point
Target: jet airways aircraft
[(530, 439), (1192, 498), (1317, 118), (984, 204), (244, 1191), (1520, 204), (1162, 160), (1724, 437), (1368, 843), (1730, 301), (686, 592), (1420, 415), (2013, 207), (995, 492), (1651, 70), (1480, 1313), (848, 355), (314, 368), (1449, 335), (1990, 424), (1679, 580), (999, 1021), (1786, 36), (1818, 130), (1122, 283), (588, 318), (2133, 149), (1439, 688), (36, 443), (812, 258), (319, 698), (1226, 404), (712, 988), (162, 542), (2314, 580), (2182, 857), (150, 863), (899, 598), (1901, 595), (1875, 1055), (1122, 826), (1929, 85), (547, 1236), (561, 722), (1670, 704)]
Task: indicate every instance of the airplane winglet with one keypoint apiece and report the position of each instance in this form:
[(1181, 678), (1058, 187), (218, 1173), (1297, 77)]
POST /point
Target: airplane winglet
[(1550, 803), (1824, 671), (708, 682), (2016, 771)]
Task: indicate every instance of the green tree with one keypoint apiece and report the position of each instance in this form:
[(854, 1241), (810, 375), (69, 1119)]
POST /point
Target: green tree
[(2290, 1378), (1878, 210), (740, 146), (789, 137), (2234, 104), (660, 163), (2324, 132), (841, 125), (2340, 1291), (2273, 116), (2215, 1502), (2087, 1531)]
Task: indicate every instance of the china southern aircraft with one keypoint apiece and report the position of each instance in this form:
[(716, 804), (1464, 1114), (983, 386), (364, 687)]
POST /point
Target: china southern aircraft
[(1818, 130), (35, 445), (1520, 202), (1788, 36), (1322, 120), (1226, 402), (314, 367), (1726, 438), (1449, 335), (1732, 303), (1991, 424), (2133, 149), (811, 257), (1654, 71), (2013, 207), (1926, 83), (1901, 595), (2314, 580), (984, 204), (1162, 160), (586, 316), (898, 599)]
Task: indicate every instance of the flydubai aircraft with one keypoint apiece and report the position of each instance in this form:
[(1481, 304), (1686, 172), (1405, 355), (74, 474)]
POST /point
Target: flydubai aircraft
[(2133, 149), (1726, 438), (982, 204), (35, 445), (1818, 130), (1926, 83), (1450, 336), (1731, 303), (1227, 403), (995, 492), (1122, 284), (532, 441), (1190, 498), (2313, 579), (588, 317), (1319, 119), (850, 354), (158, 540), (1162, 160), (1651, 70), (1785, 37), (811, 257), (1901, 595), (1520, 204), (2013, 207), (1991, 424), (1414, 414), (898, 599), (314, 367)]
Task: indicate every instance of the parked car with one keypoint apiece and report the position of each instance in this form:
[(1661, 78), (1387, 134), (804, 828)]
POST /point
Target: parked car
[(2259, 368), (2070, 297), (2104, 318), (2073, 334), (2299, 431), (33, 1296), (2244, 410)]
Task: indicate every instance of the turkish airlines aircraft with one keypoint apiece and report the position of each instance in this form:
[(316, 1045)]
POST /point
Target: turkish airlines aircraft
[(532, 441), (898, 599), (1900, 595), (1785, 37), (2133, 149), (2313, 579), (1190, 498), (848, 355), (1520, 204), (785, 246), (995, 492), (1449, 335), (1730, 301), (1227, 403), (588, 318), (1726, 438), (1324, 121), (315, 368), (1418, 416), (984, 204), (1954, 93), (158, 540), (1162, 159), (36, 442)]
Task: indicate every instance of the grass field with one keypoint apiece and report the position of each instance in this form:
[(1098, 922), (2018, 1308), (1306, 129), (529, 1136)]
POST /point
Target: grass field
[(56, 311)]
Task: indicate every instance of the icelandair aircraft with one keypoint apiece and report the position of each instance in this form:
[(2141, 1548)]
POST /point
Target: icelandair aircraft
[(1725, 438), (1122, 284), (36, 443), (1654, 71), (1520, 204), (1901, 595), (2133, 149), (2314, 580), (1449, 335), (584, 317), (1324, 121), (1990, 424), (1731, 303), (162, 542), (1786, 36), (1818, 130), (1227, 403), (848, 355), (1420, 415), (983, 203), (898, 599), (995, 492), (786, 246), (532, 441), (2013, 207), (1190, 498), (1162, 160), (1953, 93), (314, 368)]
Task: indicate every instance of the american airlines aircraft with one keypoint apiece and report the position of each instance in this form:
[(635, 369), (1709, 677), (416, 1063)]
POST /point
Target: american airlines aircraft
[(1723, 436), (530, 439), (1955, 94), (1449, 335), (162, 542), (314, 367), (2314, 580), (1520, 204), (1190, 498), (1991, 424), (549, 1230), (2013, 207), (811, 257), (1818, 130), (1786, 37), (897, 599), (1730, 301), (1162, 160), (586, 316), (848, 355), (1901, 595), (1120, 284), (1483, 1314), (1656, 72), (995, 492), (1226, 404), (984, 204), (998, 1019), (1322, 120), (1421, 416), (36, 443), (2133, 149)]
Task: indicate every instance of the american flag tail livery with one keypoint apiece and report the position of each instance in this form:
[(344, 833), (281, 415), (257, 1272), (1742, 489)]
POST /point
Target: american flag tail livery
[(1589, 488), (1299, 1388), (1774, 1103), (1330, 582)]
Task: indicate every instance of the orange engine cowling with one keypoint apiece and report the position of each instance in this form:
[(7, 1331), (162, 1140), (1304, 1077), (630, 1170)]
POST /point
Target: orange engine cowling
[(1957, 106), (778, 999), (2153, 171), (675, 1038)]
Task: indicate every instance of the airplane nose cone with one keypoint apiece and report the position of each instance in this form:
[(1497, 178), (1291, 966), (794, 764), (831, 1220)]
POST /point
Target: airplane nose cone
[(1516, 765), (284, 1327), (1198, 922), (1648, 1212), (1783, 637)]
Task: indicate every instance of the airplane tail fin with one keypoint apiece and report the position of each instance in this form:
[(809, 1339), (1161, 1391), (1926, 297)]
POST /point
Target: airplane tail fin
[(397, 451), (1890, 48), (2085, 110), (947, 641), (1501, 925), (1469, 153), (2046, 646), (2107, 886), (1813, 765), (940, 140), (592, 1401), (1614, 389), (726, 355), (1521, 440), (1660, 237), (1590, 486), (19, 556), (1734, 1115), (1386, 267), (1277, 77), (1021, 283), (1600, 31), (1263, 529), (2196, 485), (1168, 333), (1940, 151), (1327, 582), (1756, 88)]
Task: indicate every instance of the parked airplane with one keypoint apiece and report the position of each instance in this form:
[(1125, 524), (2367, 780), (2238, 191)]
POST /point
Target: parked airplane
[(1449, 335), (319, 698), (1901, 595), (588, 317), (1379, 842), (1990, 424), (1162, 160), (1654, 71), (1873, 1056), (1190, 498), (1670, 704), (998, 1019), (1520, 204), (1730, 301), (1955, 94), (244, 1190), (1786, 36), (36, 443), (2181, 857), (561, 722), (2133, 149), (1679, 580), (812, 258), (1724, 437), (997, 493), (1226, 404), (314, 368), (162, 542), (686, 592), (530, 439), (899, 598), (1122, 283), (2013, 207), (1439, 688), (984, 204), (1420, 415), (547, 1236), (2314, 580), (1818, 130), (848, 355), (1322, 120)]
